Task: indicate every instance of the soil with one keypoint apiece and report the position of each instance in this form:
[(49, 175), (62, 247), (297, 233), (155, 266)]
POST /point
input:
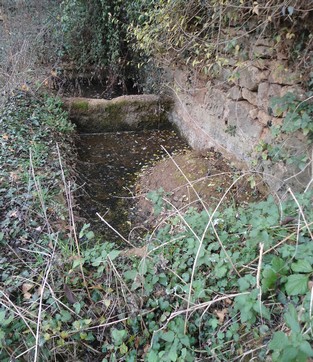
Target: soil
[(193, 179)]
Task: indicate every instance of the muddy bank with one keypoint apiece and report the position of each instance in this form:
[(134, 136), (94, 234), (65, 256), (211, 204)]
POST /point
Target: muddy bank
[(192, 176)]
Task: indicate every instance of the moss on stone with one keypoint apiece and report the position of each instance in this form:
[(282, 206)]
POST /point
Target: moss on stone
[(120, 114), (80, 105)]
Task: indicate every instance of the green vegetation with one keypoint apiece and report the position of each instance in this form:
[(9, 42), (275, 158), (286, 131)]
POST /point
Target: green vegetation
[(297, 120), (223, 284), (206, 34), (95, 37), (233, 283)]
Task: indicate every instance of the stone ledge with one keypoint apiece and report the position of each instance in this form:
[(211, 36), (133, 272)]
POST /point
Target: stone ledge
[(123, 113)]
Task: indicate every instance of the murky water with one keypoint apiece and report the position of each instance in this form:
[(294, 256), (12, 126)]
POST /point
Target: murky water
[(108, 165)]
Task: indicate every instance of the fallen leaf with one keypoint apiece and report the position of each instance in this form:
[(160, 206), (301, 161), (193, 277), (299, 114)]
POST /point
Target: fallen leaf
[(27, 287), (221, 314), (70, 296), (27, 296), (228, 301)]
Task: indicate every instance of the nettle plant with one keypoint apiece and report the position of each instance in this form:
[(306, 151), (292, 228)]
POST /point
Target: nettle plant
[(219, 284)]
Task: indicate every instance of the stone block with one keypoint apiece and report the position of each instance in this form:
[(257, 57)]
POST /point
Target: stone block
[(264, 117), (238, 114), (235, 93), (266, 92), (281, 74), (250, 77), (262, 96), (254, 113), (295, 89), (262, 52), (133, 112), (251, 97)]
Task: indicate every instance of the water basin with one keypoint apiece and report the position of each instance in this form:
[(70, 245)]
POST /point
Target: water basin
[(108, 164)]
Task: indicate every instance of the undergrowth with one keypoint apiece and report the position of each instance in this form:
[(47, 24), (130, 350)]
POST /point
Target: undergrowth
[(230, 283)]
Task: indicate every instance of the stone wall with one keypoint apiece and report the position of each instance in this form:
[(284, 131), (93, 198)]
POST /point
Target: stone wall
[(232, 113)]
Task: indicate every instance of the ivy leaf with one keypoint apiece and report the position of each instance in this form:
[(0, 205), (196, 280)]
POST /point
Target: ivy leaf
[(297, 284), (118, 336)]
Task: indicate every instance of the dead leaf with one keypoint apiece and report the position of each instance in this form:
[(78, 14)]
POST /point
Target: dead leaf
[(25, 87), (221, 314), (288, 220), (40, 291), (27, 296), (27, 287), (228, 301), (70, 296)]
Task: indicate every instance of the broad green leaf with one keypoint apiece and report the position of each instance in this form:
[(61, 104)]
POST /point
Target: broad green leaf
[(143, 267), (90, 235), (291, 354), (297, 284), (269, 279), (220, 271), (262, 310), (168, 336), (65, 316), (77, 262), (118, 336), (243, 284), (172, 355), (2, 315), (278, 342), (123, 349), (302, 266), (130, 274), (114, 254), (279, 265), (153, 357), (306, 348), (291, 319)]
